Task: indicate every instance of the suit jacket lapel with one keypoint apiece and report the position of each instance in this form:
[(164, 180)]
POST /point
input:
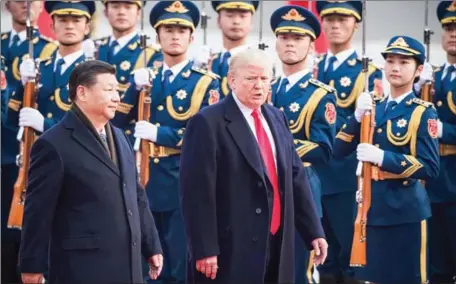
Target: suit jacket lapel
[(279, 144), (84, 137), (242, 135), (120, 147)]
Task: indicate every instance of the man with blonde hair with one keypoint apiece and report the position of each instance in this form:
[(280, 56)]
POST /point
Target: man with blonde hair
[(243, 187)]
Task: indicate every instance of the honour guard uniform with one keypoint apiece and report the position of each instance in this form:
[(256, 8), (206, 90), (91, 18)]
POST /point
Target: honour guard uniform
[(442, 190), (3, 87), (178, 92), (341, 71), (126, 55), (219, 62), (310, 107), (405, 151)]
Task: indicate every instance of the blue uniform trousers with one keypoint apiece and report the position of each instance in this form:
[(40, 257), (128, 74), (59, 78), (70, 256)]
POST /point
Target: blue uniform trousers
[(396, 254), (442, 243)]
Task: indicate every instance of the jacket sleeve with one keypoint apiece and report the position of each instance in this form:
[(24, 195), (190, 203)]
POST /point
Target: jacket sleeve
[(198, 171), (347, 139), (42, 196)]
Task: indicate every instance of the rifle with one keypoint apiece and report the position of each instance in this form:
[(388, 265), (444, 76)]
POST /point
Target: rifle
[(26, 137), (426, 90), (204, 22), (358, 256), (141, 146), (261, 44)]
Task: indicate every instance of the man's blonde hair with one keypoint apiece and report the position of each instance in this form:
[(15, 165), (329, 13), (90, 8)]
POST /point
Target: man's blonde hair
[(251, 56)]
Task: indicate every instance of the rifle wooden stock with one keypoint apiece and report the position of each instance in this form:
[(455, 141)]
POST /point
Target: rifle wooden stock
[(426, 92), (20, 187), (359, 253), (142, 156)]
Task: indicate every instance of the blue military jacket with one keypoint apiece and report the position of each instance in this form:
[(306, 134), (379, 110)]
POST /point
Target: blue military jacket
[(443, 188), (42, 49), (220, 69), (190, 90), (408, 135), (348, 80), (310, 107), (126, 60), (52, 97)]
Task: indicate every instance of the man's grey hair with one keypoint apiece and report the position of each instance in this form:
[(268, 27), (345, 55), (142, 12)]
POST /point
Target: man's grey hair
[(251, 56)]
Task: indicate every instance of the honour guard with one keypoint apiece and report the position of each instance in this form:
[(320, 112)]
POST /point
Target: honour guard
[(178, 92), (235, 19), (442, 190), (123, 50), (341, 69), (309, 105), (404, 150), (3, 87)]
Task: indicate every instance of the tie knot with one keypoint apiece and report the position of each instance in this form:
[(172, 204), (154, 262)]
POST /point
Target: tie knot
[(168, 73), (256, 113), (332, 59), (60, 62), (390, 105), (284, 82), (16, 39), (226, 55), (451, 69), (114, 43), (103, 137)]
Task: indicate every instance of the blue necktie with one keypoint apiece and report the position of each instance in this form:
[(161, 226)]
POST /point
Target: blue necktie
[(58, 69), (283, 88), (113, 45), (15, 42), (167, 81), (390, 106), (330, 68), (447, 86), (224, 63)]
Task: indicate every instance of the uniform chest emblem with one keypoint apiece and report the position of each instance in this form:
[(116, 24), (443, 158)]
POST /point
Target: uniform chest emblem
[(181, 94), (345, 81), (294, 107), (304, 85), (133, 46), (125, 65), (401, 123), (433, 128), (352, 62)]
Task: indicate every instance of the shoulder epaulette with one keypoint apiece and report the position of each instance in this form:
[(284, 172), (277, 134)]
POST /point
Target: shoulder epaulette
[(206, 72), (102, 41), (48, 39), (322, 85), (48, 50), (4, 35), (435, 68), (154, 46), (378, 98), (422, 102)]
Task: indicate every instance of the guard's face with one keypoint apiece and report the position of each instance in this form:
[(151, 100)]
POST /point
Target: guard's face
[(235, 24), (102, 99), (122, 16), (174, 39), (449, 38), (339, 29), (292, 48), (401, 70), (251, 84), (70, 30), (18, 10)]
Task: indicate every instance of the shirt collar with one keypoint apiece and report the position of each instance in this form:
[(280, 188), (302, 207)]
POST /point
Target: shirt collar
[(246, 111), (294, 78), (399, 99), (341, 56), (124, 40), (70, 58), (176, 69), (235, 50), (447, 65), (22, 35)]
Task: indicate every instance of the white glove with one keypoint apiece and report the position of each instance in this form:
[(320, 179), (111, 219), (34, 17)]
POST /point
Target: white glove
[(27, 70), (88, 47), (363, 103), (440, 128), (426, 75), (32, 118), (369, 153), (146, 130), (202, 58), (143, 78)]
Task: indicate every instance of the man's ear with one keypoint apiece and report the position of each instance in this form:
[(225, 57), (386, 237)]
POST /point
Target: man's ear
[(81, 93)]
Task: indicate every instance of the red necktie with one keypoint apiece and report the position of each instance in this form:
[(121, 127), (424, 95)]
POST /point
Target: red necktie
[(268, 158)]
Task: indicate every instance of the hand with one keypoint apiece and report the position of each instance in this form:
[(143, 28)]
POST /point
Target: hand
[(155, 266), (32, 278), (208, 266), (320, 246), (146, 130), (143, 78), (27, 70), (31, 117), (363, 104), (369, 153), (426, 75), (203, 57), (440, 128), (88, 47)]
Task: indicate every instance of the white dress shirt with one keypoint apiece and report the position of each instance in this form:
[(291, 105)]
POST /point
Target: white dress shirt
[(340, 58), (234, 51), (69, 59), (399, 99), (175, 69), (122, 41), (247, 112), (22, 36)]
